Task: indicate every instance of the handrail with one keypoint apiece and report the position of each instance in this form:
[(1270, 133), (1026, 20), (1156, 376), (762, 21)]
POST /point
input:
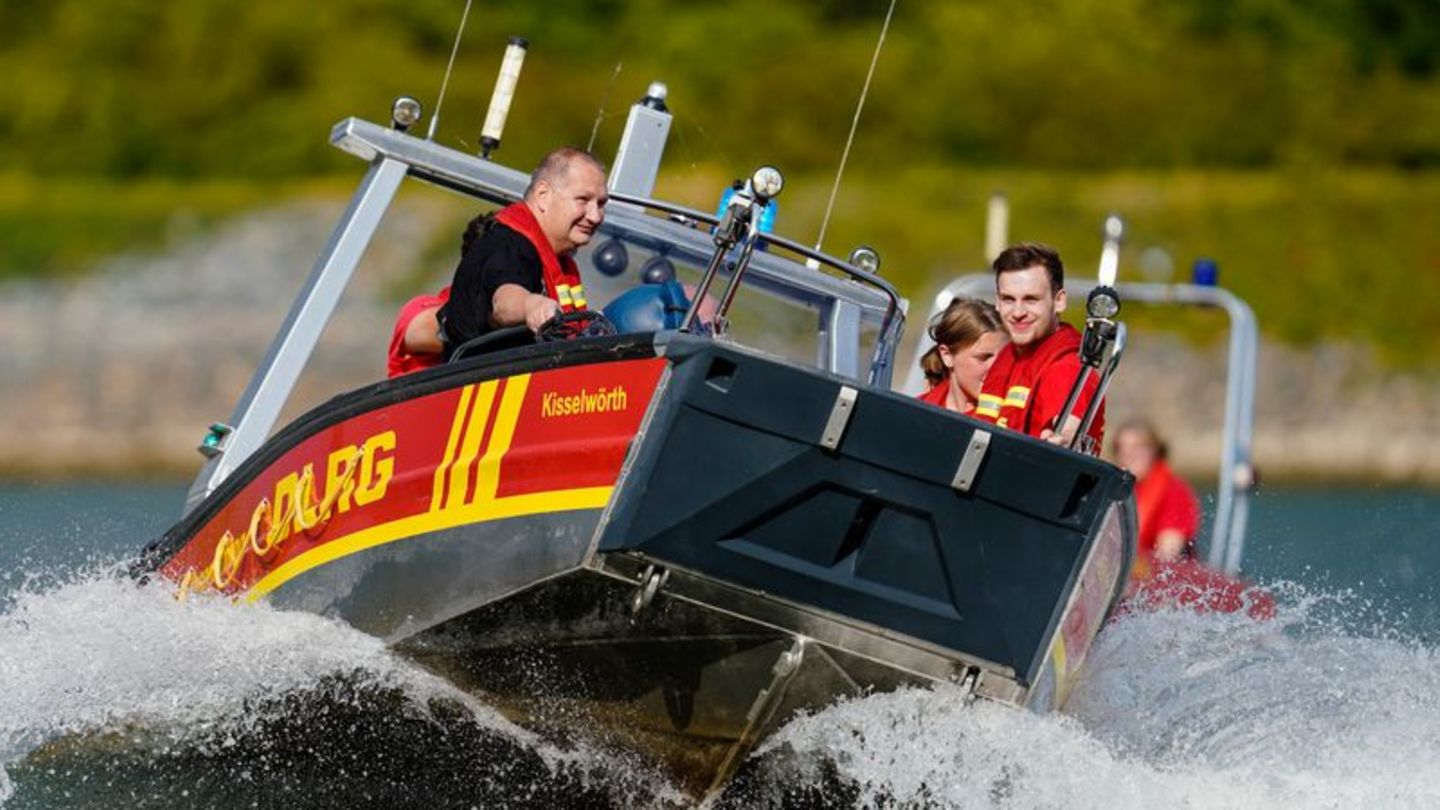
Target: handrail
[(474, 176), (890, 324)]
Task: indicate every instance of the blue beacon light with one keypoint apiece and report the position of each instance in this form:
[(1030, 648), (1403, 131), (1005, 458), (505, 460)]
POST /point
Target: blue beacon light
[(1205, 273)]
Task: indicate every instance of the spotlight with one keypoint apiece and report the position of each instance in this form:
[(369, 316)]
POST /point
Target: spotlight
[(658, 270), (767, 182), (1103, 302), (866, 258), (405, 113), (611, 258)]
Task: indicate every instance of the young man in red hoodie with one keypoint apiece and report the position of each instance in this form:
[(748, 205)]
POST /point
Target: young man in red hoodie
[(1027, 387)]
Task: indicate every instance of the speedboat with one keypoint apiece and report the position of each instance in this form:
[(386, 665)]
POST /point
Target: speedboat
[(665, 542)]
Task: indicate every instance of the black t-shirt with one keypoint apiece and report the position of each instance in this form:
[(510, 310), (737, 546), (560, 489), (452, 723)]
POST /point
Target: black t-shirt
[(498, 256)]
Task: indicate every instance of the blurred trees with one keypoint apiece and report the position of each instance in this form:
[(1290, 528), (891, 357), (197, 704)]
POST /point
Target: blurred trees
[(226, 88), (1295, 140)]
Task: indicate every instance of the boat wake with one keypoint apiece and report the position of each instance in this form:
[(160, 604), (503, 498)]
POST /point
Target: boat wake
[(114, 693), (1176, 709)]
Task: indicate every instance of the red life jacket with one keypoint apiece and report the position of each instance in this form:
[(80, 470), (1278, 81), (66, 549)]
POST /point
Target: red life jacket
[(1026, 393), (939, 396), (561, 276)]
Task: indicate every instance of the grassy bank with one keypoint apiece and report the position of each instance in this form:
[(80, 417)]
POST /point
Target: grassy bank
[(1320, 254)]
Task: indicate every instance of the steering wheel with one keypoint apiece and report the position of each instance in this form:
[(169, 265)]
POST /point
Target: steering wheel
[(564, 326), (580, 323)]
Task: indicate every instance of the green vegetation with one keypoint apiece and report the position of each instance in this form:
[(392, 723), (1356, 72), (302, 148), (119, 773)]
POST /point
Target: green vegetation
[(1324, 255), (1297, 142), (230, 88)]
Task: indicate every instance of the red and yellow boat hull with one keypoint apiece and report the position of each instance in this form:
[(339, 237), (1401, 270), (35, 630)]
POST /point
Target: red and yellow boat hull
[(455, 464)]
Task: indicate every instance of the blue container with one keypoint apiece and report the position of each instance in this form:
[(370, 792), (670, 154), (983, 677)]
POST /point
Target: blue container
[(649, 308), (767, 214)]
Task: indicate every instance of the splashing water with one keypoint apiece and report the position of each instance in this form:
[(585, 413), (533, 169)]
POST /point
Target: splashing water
[(1176, 710), (102, 651), (113, 693)]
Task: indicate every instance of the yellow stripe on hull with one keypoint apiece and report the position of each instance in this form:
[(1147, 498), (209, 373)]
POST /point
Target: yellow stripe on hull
[(540, 503)]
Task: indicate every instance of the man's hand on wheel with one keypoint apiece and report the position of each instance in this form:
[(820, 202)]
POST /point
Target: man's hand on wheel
[(539, 310)]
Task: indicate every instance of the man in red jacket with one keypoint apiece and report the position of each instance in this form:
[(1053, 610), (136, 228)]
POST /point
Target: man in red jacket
[(1027, 387)]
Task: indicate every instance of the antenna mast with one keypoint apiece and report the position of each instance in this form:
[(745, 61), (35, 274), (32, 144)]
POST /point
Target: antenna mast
[(854, 123), (445, 82), (604, 100)]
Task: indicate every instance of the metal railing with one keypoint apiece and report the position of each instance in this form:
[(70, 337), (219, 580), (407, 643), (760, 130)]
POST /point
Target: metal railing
[(394, 156)]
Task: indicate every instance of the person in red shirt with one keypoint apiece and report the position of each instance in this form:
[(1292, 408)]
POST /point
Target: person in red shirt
[(1166, 506), (1166, 573), (968, 337), (415, 341), (1027, 387)]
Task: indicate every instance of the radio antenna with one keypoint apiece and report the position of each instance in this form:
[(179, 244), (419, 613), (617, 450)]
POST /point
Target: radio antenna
[(604, 101), (854, 123), (445, 82)]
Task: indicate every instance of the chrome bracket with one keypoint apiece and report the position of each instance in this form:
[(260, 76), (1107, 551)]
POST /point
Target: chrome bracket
[(652, 579), (970, 462), (969, 682), (839, 417), (762, 711)]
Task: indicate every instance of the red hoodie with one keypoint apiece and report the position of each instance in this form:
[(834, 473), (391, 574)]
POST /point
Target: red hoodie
[(1025, 392), (401, 361)]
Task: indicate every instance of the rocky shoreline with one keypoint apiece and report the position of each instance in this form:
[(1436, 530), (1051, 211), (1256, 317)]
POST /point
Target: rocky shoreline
[(118, 373)]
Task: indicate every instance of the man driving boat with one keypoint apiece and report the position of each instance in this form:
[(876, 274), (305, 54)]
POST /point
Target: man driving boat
[(1032, 376), (521, 268)]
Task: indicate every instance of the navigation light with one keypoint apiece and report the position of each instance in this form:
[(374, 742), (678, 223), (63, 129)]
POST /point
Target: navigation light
[(866, 258), (504, 93), (405, 113), (1110, 254)]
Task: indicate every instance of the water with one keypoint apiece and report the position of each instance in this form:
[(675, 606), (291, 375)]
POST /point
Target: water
[(117, 695)]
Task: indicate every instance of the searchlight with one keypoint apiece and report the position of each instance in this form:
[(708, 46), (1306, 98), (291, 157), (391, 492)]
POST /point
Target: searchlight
[(405, 113)]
